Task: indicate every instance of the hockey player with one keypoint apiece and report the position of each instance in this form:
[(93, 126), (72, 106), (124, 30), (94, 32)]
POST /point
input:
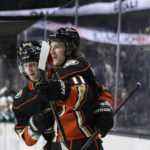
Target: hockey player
[(29, 107), (83, 103)]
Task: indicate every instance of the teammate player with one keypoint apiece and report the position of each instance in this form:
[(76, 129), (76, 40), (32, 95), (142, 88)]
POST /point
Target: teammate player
[(29, 107), (83, 103)]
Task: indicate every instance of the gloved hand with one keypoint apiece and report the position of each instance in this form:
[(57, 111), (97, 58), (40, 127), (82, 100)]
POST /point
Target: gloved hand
[(103, 117), (41, 121), (57, 90)]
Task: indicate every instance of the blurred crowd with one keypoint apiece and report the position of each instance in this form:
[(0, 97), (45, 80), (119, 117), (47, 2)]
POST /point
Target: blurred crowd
[(6, 100), (10, 80)]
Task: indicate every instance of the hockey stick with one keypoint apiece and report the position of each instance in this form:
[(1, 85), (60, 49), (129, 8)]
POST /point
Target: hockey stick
[(91, 139), (42, 65)]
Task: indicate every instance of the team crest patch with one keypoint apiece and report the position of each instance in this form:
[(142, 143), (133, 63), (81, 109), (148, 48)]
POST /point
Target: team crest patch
[(19, 94), (70, 63)]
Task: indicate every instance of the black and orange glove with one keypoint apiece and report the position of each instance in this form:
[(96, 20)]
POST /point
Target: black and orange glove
[(103, 117), (56, 90), (41, 122)]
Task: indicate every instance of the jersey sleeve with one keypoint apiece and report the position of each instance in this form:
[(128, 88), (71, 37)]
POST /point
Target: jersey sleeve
[(22, 118), (104, 94)]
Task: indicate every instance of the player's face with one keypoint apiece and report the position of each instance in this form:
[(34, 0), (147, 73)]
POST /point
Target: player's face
[(31, 68), (57, 52)]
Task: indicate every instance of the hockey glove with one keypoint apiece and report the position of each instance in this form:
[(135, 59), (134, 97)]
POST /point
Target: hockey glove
[(103, 117), (57, 90), (41, 121)]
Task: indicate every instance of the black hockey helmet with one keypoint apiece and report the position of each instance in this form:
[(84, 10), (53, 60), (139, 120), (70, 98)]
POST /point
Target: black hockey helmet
[(67, 35), (29, 51)]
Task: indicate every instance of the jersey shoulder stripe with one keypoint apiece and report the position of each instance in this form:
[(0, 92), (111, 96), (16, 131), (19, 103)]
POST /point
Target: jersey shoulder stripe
[(72, 70), (25, 102)]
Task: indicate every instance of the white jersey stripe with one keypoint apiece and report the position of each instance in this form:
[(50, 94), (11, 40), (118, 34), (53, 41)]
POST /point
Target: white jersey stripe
[(82, 80), (81, 93), (75, 80), (83, 128)]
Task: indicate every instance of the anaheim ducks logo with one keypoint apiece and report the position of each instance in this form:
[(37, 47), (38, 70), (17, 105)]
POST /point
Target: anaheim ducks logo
[(71, 62), (19, 94)]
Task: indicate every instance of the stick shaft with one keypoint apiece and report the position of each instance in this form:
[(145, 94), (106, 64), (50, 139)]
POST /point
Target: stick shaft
[(126, 99), (53, 107), (63, 136)]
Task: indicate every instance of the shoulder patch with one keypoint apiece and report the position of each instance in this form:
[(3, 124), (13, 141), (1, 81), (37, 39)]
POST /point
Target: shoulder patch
[(70, 63), (19, 94)]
